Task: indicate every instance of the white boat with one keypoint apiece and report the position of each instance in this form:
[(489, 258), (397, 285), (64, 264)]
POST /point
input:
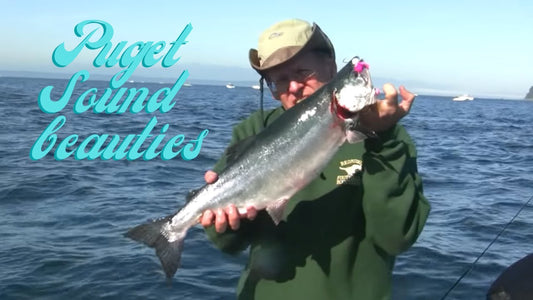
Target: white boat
[(463, 97), (230, 86), (256, 87), (187, 84)]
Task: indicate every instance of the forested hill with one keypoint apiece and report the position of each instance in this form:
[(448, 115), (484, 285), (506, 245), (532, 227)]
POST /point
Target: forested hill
[(530, 94)]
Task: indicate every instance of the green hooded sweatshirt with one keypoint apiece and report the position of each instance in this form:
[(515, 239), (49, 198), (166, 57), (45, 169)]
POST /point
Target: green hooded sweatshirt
[(340, 234)]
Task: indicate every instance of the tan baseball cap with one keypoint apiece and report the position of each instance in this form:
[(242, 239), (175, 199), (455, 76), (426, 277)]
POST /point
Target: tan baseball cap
[(284, 40)]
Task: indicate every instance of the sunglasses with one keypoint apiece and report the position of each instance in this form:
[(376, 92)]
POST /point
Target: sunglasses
[(281, 84)]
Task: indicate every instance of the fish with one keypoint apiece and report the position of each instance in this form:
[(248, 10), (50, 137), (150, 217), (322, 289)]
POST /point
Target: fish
[(266, 170)]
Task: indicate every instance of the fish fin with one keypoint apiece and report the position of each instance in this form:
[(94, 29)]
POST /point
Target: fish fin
[(168, 246), (191, 194), (235, 151), (276, 210), (356, 133), (353, 136)]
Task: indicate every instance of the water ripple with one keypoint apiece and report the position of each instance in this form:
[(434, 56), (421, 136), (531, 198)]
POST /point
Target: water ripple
[(63, 222)]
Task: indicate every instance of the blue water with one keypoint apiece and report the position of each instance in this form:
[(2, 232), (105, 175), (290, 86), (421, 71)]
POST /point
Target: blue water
[(62, 222)]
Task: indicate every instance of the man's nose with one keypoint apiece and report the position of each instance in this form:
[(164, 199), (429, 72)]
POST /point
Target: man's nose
[(295, 86)]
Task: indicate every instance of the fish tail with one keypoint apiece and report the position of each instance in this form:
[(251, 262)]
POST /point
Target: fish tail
[(168, 245)]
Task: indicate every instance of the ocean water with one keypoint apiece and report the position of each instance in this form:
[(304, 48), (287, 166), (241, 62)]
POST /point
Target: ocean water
[(62, 222)]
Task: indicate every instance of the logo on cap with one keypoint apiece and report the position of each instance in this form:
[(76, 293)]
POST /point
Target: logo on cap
[(275, 35)]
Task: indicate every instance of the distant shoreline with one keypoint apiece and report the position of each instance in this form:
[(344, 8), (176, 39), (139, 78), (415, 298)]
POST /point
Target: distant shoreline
[(107, 77), (237, 83)]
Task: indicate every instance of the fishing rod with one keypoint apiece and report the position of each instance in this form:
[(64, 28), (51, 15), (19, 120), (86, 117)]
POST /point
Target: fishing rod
[(487, 248)]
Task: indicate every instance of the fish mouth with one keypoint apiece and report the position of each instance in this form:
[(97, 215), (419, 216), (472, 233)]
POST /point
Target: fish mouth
[(357, 94), (341, 111), (359, 102)]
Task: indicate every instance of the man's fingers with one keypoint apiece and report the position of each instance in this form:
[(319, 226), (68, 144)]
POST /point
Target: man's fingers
[(207, 218), (407, 99), (251, 212), (385, 113), (230, 215), (210, 176), (221, 223), (248, 212), (391, 95), (234, 218)]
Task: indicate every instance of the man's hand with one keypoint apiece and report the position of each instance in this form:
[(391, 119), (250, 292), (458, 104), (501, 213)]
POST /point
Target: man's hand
[(387, 112), (222, 217)]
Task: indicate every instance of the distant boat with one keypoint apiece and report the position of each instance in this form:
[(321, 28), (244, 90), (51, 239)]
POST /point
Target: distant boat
[(256, 87), (230, 86), (463, 97), (187, 84)]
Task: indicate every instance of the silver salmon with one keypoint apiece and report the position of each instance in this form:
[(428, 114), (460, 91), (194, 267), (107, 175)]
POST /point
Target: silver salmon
[(265, 171)]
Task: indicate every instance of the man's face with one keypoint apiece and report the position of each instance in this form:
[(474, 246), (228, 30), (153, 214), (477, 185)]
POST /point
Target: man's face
[(300, 78)]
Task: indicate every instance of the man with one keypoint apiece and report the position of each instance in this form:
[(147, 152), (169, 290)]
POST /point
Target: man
[(340, 234)]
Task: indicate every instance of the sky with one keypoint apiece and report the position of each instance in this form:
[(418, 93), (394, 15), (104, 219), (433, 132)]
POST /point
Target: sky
[(480, 47)]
